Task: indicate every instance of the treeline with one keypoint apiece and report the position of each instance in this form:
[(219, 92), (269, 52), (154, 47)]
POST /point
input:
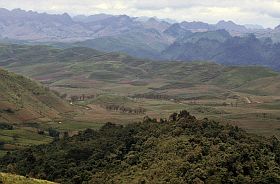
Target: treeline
[(121, 108), (83, 97), (179, 150), (6, 126), (74, 98), (155, 96), (54, 133)]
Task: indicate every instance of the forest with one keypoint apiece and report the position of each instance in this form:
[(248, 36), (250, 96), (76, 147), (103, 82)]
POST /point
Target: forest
[(180, 149)]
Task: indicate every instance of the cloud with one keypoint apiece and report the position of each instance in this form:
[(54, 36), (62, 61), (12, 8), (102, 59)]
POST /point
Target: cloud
[(265, 12)]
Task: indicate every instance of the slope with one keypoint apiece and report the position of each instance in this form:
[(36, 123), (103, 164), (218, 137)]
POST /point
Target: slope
[(15, 179), (138, 43), (23, 100), (26, 109), (57, 66)]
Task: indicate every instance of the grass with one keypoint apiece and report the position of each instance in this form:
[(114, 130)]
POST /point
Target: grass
[(272, 106), (16, 179), (23, 137), (2, 153)]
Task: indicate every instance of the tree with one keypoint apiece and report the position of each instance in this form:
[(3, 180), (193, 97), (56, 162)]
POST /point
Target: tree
[(53, 133)]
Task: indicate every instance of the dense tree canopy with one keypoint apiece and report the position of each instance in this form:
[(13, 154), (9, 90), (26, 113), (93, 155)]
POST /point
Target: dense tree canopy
[(179, 150)]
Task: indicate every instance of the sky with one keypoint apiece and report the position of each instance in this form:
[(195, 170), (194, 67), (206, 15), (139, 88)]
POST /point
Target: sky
[(262, 12)]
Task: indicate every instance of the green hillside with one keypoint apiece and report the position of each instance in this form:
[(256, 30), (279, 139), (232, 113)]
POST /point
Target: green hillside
[(23, 100), (233, 77), (25, 109), (56, 66), (179, 150), (15, 179)]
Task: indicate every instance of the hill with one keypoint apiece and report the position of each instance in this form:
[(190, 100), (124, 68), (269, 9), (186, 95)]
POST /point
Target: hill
[(180, 150), (57, 66), (26, 107), (23, 100)]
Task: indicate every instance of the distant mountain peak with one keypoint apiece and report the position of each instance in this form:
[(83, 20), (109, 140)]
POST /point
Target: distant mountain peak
[(230, 26), (152, 19), (176, 30), (91, 18), (196, 25), (19, 10), (66, 14), (223, 22)]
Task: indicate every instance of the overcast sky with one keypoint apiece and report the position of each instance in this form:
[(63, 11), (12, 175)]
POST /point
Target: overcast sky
[(263, 12)]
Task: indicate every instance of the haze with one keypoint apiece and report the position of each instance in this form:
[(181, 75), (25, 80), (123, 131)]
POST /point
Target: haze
[(263, 12)]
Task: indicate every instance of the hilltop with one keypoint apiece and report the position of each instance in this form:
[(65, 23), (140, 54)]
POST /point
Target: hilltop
[(179, 150)]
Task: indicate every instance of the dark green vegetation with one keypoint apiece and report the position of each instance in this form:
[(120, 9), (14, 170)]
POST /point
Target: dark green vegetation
[(180, 150)]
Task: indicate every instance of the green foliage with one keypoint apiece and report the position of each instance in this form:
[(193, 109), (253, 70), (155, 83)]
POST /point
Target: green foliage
[(180, 150), (53, 133), (5, 126)]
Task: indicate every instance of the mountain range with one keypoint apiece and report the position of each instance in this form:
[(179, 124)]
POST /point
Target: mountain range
[(225, 42), (219, 46), (33, 26)]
